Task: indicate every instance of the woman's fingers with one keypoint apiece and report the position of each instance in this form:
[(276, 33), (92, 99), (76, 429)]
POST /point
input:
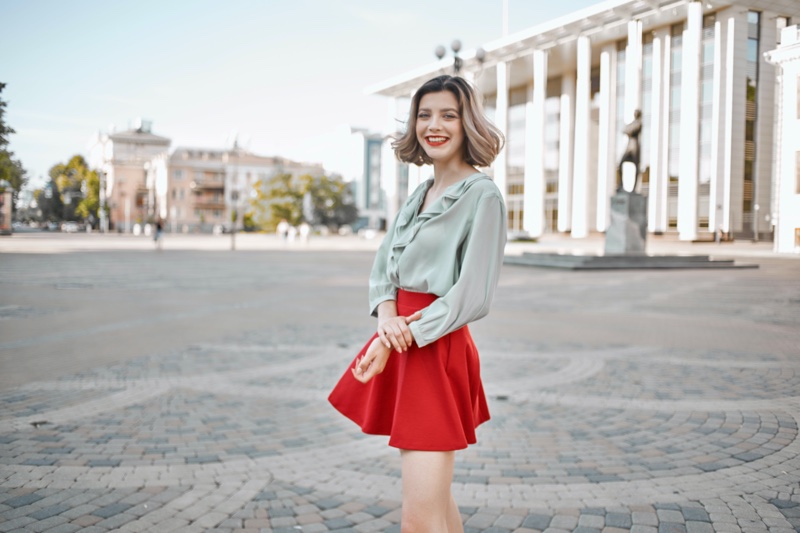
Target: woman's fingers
[(371, 363), (395, 333), (397, 337), (413, 318)]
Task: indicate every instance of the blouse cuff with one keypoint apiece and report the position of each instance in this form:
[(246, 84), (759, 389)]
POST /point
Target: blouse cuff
[(419, 336), (381, 296)]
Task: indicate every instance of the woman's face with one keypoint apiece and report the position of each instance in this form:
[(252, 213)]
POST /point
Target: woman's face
[(439, 128)]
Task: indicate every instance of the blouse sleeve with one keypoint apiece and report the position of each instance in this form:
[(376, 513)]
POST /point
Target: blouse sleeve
[(381, 288), (471, 296)]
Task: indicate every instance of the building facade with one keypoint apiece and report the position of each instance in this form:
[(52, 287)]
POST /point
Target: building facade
[(191, 189), (562, 93), (123, 159), (786, 198), (206, 186)]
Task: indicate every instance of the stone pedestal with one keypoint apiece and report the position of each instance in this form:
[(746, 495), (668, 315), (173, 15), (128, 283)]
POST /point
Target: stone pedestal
[(627, 233)]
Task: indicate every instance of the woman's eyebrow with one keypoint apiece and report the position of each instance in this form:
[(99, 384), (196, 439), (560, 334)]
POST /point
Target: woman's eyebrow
[(445, 110)]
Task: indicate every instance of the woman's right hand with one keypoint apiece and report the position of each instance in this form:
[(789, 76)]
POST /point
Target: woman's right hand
[(372, 362), (395, 333)]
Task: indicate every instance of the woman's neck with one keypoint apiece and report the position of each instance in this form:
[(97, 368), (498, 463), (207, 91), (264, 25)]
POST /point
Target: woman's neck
[(446, 174)]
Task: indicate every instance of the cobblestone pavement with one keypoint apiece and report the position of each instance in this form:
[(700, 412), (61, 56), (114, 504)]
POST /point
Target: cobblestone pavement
[(186, 391)]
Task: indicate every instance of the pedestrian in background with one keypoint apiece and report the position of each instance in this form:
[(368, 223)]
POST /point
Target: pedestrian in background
[(283, 229), (158, 236), (418, 378)]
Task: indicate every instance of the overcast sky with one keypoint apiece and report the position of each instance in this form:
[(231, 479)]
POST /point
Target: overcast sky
[(283, 75)]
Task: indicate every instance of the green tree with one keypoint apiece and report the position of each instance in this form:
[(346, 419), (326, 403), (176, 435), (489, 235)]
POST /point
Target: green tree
[(11, 169), (331, 201), (321, 200), (78, 188), (49, 201)]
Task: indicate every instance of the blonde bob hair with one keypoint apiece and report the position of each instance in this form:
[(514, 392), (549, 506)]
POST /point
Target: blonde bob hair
[(482, 139)]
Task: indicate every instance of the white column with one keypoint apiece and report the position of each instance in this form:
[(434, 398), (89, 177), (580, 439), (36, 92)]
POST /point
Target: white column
[(565, 153), (580, 176), (656, 154), (605, 144), (690, 124), (633, 70), (727, 140), (501, 121), (533, 199), (662, 222), (714, 197)]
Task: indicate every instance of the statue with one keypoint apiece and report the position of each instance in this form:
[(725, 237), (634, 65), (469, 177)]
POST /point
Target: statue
[(631, 154)]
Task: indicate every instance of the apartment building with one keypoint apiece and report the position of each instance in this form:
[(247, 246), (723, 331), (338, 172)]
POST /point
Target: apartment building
[(190, 189), (205, 186)]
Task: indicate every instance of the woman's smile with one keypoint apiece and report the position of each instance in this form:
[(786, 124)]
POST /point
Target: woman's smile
[(435, 140)]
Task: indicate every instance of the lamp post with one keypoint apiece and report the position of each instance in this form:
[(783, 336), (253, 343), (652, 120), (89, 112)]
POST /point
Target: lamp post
[(458, 63), (234, 216)]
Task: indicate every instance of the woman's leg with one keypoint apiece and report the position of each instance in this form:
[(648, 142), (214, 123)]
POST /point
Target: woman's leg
[(427, 502), (454, 524)]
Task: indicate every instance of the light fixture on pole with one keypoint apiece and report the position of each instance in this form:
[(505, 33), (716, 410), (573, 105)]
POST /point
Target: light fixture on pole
[(458, 63)]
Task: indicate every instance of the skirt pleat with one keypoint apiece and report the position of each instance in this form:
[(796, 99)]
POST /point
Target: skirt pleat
[(428, 398)]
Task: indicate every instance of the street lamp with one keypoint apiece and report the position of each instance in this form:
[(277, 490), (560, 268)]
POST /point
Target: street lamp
[(234, 217), (455, 46)]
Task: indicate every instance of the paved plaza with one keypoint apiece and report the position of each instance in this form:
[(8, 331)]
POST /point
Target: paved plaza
[(185, 390)]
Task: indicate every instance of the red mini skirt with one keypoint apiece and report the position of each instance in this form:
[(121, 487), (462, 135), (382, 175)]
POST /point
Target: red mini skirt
[(428, 398)]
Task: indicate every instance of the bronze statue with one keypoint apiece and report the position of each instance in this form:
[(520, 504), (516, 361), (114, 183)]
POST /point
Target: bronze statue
[(631, 154)]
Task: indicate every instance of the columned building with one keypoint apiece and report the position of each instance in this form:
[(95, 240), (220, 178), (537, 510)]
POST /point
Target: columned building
[(563, 91)]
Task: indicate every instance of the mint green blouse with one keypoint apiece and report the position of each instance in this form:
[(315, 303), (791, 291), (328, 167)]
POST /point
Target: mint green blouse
[(454, 249)]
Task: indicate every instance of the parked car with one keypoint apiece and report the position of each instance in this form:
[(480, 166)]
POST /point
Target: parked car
[(70, 227)]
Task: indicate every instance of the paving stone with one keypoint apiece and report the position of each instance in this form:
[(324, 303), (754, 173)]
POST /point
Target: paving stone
[(24, 500), (47, 512), (111, 510), (591, 521), (537, 521), (699, 527)]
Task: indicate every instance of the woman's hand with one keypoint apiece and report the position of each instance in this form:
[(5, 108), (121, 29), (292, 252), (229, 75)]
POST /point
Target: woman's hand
[(394, 331), (372, 362)]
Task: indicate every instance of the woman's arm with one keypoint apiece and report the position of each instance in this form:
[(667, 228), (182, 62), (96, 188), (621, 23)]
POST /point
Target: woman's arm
[(481, 258)]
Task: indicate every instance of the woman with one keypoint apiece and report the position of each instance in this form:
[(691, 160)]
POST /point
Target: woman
[(418, 379)]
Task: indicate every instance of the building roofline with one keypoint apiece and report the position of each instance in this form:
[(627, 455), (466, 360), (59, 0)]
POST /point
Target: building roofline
[(589, 21)]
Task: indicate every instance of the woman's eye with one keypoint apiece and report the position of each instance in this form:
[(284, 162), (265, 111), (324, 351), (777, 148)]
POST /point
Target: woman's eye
[(423, 115)]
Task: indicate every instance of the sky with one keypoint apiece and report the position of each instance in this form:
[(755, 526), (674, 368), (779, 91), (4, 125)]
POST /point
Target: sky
[(284, 77)]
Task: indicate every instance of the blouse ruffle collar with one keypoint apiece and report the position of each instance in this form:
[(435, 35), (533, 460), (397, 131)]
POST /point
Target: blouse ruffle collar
[(409, 214)]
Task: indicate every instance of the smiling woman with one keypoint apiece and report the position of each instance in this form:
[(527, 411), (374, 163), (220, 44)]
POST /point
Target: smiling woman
[(418, 379), (454, 97)]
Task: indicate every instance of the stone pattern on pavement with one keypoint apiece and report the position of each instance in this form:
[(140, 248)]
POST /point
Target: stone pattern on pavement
[(692, 431)]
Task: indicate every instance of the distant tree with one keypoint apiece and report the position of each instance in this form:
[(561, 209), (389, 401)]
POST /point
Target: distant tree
[(332, 201), (324, 200), (78, 188), (11, 169), (49, 201), (278, 198)]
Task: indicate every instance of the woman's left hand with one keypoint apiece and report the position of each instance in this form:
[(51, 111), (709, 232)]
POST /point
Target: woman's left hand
[(394, 331), (373, 361)]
